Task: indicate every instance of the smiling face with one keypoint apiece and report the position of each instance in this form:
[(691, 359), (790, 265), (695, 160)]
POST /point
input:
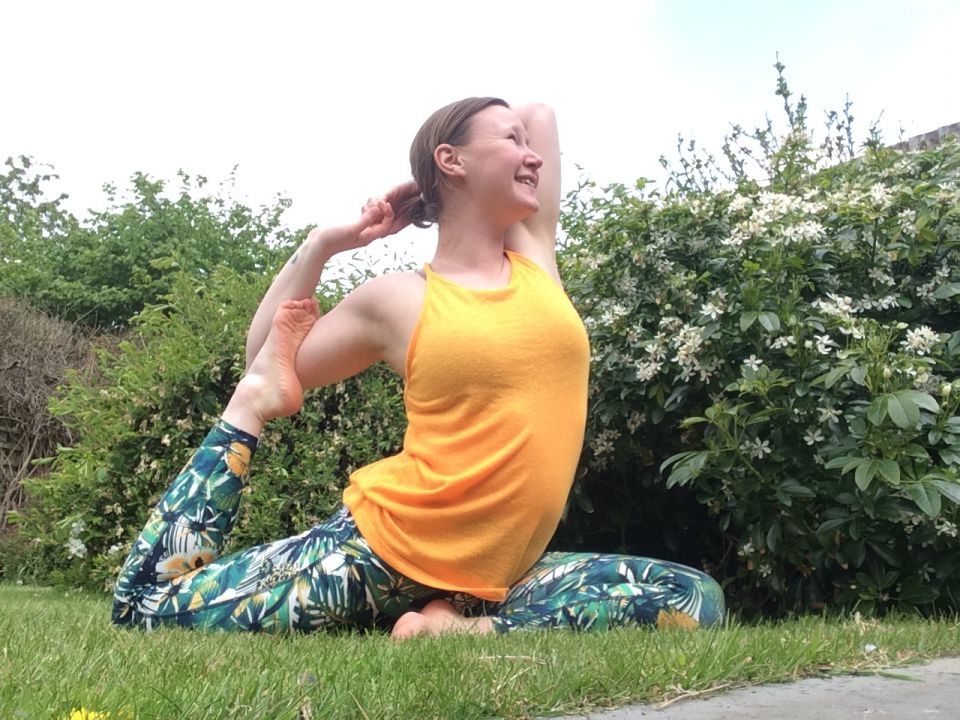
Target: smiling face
[(498, 167)]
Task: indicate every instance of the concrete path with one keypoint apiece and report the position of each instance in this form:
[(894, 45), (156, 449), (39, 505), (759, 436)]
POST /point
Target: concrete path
[(918, 692)]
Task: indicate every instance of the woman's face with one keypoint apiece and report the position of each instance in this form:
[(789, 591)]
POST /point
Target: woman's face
[(499, 165)]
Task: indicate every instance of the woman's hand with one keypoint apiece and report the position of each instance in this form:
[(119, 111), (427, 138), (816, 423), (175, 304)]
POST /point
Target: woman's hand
[(379, 217)]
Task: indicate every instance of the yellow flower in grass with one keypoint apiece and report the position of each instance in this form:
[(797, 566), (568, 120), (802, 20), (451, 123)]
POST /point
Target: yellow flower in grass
[(671, 618), (238, 459), (84, 714)]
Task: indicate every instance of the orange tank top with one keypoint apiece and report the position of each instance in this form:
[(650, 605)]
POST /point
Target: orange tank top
[(496, 401)]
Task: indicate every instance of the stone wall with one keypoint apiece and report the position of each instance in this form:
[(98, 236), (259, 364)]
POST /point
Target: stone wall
[(930, 139)]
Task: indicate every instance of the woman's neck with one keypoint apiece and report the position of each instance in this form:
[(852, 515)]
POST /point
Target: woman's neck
[(469, 243)]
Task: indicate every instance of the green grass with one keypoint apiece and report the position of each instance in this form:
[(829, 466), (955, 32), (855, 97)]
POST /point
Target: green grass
[(58, 652)]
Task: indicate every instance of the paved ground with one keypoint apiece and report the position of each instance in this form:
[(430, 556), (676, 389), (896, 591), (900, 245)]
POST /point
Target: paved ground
[(916, 693)]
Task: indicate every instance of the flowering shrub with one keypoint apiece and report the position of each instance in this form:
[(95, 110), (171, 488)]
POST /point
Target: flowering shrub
[(783, 354), (137, 425)]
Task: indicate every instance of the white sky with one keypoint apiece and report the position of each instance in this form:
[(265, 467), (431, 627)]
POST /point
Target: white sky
[(319, 101)]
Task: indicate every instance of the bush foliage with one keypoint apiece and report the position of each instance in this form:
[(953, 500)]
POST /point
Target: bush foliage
[(102, 270), (774, 394)]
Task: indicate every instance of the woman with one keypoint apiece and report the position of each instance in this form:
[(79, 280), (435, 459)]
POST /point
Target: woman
[(448, 535)]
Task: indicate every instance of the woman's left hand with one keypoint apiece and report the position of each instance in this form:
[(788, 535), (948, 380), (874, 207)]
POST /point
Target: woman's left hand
[(382, 214)]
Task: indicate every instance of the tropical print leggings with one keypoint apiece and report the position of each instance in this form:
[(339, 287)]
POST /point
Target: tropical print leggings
[(328, 577)]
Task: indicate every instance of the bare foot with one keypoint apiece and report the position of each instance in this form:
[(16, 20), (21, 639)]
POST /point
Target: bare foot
[(271, 388), (438, 618)]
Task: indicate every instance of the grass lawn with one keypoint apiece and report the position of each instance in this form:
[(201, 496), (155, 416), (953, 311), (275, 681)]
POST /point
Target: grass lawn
[(58, 652)]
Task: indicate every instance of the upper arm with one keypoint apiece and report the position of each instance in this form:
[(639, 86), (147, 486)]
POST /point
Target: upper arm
[(343, 342), (536, 236)]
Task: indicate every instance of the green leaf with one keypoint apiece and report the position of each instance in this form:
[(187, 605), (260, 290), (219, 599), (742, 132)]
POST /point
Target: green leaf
[(840, 462), (690, 421), (831, 525), (859, 375), (927, 497), (774, 535), (950, 456), (769, 321), (792, 487), (947, 290), (747, 319), (829, 379), (919, 398), (916, 451), (865, 474), (903, 411), (916, 591), (949, 490), (890, 471), (877, 410)]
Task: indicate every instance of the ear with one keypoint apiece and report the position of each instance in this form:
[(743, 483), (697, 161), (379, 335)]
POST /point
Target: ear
[(449, 161)]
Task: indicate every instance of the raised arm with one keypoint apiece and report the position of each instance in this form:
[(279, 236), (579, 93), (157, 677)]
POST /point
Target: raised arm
[(536, 237), (301, 274)]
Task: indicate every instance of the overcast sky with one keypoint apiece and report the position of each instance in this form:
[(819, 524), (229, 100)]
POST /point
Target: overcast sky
[(320, 101)]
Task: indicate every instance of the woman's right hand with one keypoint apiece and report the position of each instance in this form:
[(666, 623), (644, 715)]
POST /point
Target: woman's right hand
[(379, 217)]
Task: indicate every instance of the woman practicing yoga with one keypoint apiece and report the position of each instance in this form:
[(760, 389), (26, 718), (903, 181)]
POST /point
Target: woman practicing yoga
[(449, 534)]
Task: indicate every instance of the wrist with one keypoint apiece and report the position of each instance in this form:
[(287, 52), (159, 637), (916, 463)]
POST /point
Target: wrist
[(323, 244)]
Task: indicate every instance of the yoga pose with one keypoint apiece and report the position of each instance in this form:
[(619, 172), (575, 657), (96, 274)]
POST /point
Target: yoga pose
[(449, 534)]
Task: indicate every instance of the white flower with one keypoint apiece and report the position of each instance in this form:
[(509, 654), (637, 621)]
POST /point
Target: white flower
[(945, 527), (829, 415), (75, 548), (808, 344), (646, 371), (757, 448), (765, 569), (739, 202), (710, 310), (753, 362), (920, 341), (823, 344), (783, 341), (878, 195), (114, 549), (747, 549), (813, 436), (78, 527)]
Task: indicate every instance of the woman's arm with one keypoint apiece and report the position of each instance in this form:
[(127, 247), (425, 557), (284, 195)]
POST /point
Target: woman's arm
[(300, 276), (536, 237)]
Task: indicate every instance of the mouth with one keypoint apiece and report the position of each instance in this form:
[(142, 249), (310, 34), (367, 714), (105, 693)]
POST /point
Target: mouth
[(528, 180)]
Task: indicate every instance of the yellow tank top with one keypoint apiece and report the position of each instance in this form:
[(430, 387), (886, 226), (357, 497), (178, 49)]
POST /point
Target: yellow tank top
[(496, 401)]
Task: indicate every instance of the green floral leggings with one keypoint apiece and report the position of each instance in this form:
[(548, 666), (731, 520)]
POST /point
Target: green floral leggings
[(328, 577)]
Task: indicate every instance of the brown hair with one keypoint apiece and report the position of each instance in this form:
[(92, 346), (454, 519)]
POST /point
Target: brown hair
[(449, 125)]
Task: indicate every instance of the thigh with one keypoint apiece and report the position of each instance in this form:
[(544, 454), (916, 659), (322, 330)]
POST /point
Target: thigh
[(595, 591), (303, 583)]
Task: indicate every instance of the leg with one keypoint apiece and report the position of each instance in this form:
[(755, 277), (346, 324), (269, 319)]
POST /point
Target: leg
[(596, 592), (189, 527)]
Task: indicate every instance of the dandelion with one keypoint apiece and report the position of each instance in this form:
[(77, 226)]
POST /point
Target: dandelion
[(753, 362), (813, 436), (84, 714)]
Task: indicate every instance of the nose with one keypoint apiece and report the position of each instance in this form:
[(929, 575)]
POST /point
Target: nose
[(533, 160)]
